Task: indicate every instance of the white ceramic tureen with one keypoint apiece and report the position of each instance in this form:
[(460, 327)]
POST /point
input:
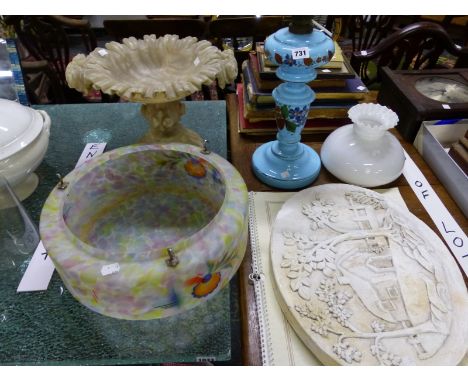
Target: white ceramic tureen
[(24, 137)]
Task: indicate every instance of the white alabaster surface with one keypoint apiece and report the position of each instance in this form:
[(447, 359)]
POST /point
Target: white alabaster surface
[(363, 282), (152, 70)]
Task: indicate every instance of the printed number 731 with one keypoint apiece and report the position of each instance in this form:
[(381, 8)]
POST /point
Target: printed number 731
[(299, 53)]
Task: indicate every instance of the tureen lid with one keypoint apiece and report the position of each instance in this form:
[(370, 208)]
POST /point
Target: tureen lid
[(19, 126)]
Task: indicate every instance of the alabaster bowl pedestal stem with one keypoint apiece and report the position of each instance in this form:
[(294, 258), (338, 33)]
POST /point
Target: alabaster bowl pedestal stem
[(165, 126)]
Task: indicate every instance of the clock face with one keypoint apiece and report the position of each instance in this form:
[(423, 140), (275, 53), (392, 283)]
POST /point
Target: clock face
[(442, 89)]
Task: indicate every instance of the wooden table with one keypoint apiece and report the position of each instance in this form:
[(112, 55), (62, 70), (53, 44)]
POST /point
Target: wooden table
[(242, 148)]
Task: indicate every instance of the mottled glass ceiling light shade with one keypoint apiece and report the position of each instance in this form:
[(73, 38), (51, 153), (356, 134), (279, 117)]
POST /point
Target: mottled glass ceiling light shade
[(147, 231)]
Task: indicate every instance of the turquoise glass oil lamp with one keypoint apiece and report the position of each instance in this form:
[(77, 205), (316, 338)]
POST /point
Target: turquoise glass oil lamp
[(298, 49)]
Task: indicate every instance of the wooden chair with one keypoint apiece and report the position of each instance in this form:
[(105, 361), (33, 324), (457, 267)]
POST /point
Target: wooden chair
[(41, 82), (120, 29), (416, 46), (45, 54), (456, 26), (355, 32), (367, 31)]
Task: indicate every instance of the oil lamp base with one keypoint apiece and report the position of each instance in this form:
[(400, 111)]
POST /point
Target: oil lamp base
[(291, 172)]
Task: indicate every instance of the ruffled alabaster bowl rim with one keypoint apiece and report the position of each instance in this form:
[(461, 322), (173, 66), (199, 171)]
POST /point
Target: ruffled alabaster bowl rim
[(106, 69)]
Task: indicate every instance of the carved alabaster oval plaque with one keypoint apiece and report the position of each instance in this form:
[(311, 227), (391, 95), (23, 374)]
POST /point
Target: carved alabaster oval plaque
[(364, 282)]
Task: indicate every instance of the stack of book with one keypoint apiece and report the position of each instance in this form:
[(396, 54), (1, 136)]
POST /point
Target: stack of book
[(337, 88)]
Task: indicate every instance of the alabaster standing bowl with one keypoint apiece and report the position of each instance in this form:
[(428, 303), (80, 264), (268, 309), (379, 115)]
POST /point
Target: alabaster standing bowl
[(159, 72), (147, 231)]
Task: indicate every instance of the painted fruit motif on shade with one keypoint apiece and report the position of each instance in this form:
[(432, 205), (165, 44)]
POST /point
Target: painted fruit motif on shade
[(205, 284), (108, 234), (195, 167)]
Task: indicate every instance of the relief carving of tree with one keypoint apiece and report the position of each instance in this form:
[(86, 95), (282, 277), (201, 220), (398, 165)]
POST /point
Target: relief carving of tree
[(305, 257)]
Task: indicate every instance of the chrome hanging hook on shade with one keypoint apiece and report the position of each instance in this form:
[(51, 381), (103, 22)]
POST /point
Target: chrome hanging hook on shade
[(61, 184), (172, 261), (205, 149)]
